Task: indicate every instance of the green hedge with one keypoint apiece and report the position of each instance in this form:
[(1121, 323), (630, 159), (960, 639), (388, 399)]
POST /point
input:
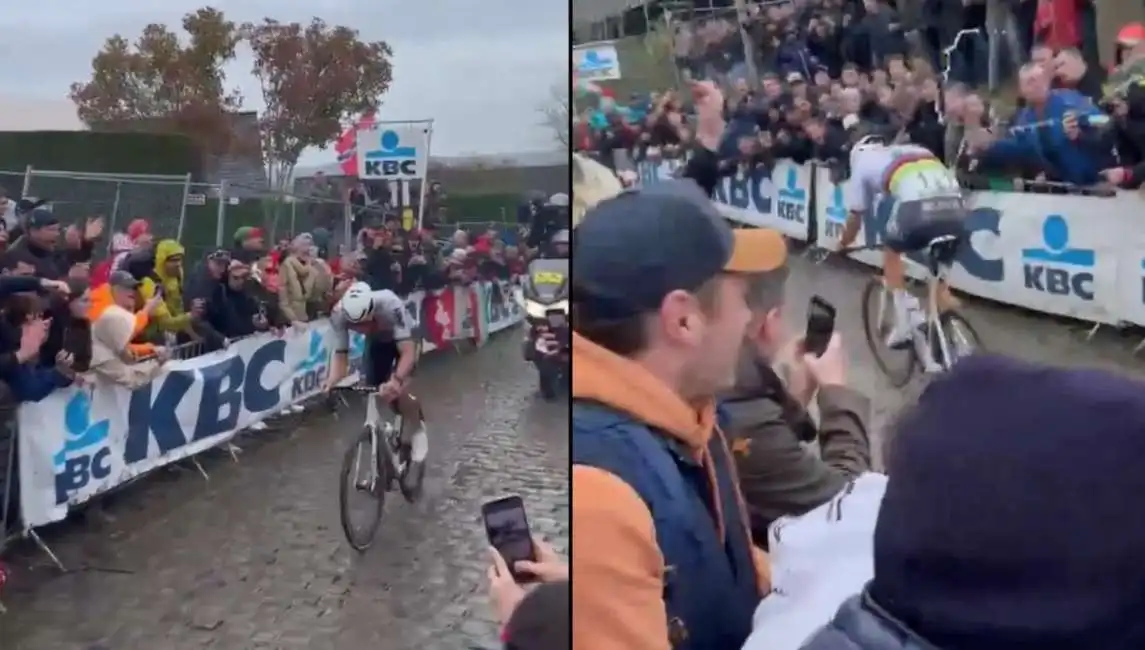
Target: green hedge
[(482, 207), (100, 152)]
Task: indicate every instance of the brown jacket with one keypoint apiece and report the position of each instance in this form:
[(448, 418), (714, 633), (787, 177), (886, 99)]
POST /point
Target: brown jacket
[(295, 288), (778, 475), (618, 593)]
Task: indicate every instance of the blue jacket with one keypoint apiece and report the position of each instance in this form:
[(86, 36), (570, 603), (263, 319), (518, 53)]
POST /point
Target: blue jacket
[(710, 588), (1079, 162)]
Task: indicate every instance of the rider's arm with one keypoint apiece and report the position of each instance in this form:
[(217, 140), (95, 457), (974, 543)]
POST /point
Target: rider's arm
[(407, 358), (403, 336), (340, 359)]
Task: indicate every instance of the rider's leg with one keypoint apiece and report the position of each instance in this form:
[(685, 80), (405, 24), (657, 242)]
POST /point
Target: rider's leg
[(413, 431), (905, 305)]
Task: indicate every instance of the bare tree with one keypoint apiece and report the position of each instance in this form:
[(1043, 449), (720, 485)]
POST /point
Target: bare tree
[(557, 116)]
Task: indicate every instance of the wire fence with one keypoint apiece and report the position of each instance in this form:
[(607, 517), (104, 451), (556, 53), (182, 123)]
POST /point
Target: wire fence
[(201, 216)]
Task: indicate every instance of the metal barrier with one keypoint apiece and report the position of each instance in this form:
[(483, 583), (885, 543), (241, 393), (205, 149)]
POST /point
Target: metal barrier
[(119, 198), (200, 215), (9, 476)]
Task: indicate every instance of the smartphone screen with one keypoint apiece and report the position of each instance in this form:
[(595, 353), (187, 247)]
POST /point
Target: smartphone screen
[(508, 531), (820, 325)]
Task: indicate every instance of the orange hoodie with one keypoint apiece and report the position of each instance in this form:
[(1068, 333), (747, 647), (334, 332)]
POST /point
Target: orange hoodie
[(100, 300), (618, 587)]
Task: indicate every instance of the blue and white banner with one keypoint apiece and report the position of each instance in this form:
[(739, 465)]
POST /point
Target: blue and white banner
[(776, 197), (81, 441), (595, 62), (1068, 255)]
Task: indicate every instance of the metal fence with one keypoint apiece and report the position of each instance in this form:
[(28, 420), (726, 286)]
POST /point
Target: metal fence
[(9, 474), (119, 198), (201, 216)]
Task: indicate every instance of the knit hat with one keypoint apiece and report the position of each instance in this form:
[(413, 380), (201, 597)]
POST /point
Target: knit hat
[(1010, 518), (247, 233)]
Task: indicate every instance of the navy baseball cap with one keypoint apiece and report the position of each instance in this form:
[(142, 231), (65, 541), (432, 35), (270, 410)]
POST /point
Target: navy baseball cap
[(632, 250), (42, 218)]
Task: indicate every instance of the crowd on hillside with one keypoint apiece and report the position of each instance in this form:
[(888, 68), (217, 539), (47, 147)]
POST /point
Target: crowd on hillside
[(829, 69), (711, 508)]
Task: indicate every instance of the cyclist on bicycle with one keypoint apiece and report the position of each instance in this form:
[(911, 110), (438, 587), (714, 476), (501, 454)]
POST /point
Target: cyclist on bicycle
[(390, 357), (927, 205)]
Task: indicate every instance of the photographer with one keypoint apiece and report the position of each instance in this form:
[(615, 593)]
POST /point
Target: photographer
[(768, 418)]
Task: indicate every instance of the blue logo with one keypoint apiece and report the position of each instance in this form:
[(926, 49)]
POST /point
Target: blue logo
[(357, 352), (750, 192), (85, 454), (391, 158), (310, 373), (980, 219), (595, 61), (836, 214), (1056, 268), (226, 387), (792, 198)]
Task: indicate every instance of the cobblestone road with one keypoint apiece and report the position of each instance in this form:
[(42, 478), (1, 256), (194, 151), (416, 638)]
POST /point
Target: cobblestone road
[(255, 557), (1002, 329)]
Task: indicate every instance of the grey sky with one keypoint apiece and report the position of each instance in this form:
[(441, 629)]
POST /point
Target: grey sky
[(481, 68)]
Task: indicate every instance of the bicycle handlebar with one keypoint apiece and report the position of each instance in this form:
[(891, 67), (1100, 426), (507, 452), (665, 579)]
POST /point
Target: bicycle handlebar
[(355, 388)]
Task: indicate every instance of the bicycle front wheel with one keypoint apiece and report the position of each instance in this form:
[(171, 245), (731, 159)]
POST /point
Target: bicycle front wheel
[(361, 479), (878, 319)]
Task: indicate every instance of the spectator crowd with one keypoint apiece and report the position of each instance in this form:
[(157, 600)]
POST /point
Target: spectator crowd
[(830, 70), (692, 402), (78, 304)]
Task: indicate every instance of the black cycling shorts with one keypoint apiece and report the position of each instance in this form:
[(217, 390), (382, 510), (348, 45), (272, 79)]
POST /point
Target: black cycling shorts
[(381, 358), (914, 224)]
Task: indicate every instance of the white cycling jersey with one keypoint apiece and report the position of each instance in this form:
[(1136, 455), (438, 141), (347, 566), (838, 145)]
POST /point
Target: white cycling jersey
[(906, 172), (389, 314)]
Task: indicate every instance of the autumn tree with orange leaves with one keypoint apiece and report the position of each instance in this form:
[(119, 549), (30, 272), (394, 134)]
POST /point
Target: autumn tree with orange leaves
[(160, 83), (314, 78)]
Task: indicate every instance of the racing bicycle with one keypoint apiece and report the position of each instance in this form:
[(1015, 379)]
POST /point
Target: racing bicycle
[(374, 462), (945, 336)]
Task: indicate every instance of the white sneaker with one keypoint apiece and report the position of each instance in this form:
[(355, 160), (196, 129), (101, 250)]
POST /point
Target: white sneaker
[(295, 408), (419, 445), (258, 426)]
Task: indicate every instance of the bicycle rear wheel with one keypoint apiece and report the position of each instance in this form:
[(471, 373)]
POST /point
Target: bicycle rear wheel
[(878, 319), (358, 467)]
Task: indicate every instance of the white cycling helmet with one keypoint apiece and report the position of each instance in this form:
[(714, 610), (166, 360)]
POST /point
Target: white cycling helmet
[(560, 200), (866, 143), (357, 304)]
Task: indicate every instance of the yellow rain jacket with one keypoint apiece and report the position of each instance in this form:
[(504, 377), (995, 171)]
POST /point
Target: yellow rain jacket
[(170, 316)]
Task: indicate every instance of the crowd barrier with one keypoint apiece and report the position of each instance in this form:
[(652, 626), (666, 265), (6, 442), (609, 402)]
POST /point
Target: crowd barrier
[(82, 441), (1068, 255)]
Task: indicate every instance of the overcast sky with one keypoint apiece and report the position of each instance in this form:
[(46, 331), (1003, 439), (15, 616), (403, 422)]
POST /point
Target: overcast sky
[(480, 68)]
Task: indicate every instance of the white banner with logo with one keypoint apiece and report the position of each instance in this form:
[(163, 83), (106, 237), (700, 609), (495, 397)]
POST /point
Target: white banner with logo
[(81, 441), (394, 151), (1068, 255), (776, 197), (595, 62)]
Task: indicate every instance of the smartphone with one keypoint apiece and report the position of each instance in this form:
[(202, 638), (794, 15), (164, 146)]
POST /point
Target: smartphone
[(820, 325), (507, 528)]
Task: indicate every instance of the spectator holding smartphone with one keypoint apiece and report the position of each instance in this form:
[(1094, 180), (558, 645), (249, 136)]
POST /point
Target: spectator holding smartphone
[(768, 419)]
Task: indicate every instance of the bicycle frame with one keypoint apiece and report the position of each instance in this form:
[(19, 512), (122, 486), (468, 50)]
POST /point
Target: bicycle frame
[(375, 422)]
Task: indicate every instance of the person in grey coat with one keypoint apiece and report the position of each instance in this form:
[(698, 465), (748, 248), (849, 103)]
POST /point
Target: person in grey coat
[(767, 420)]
